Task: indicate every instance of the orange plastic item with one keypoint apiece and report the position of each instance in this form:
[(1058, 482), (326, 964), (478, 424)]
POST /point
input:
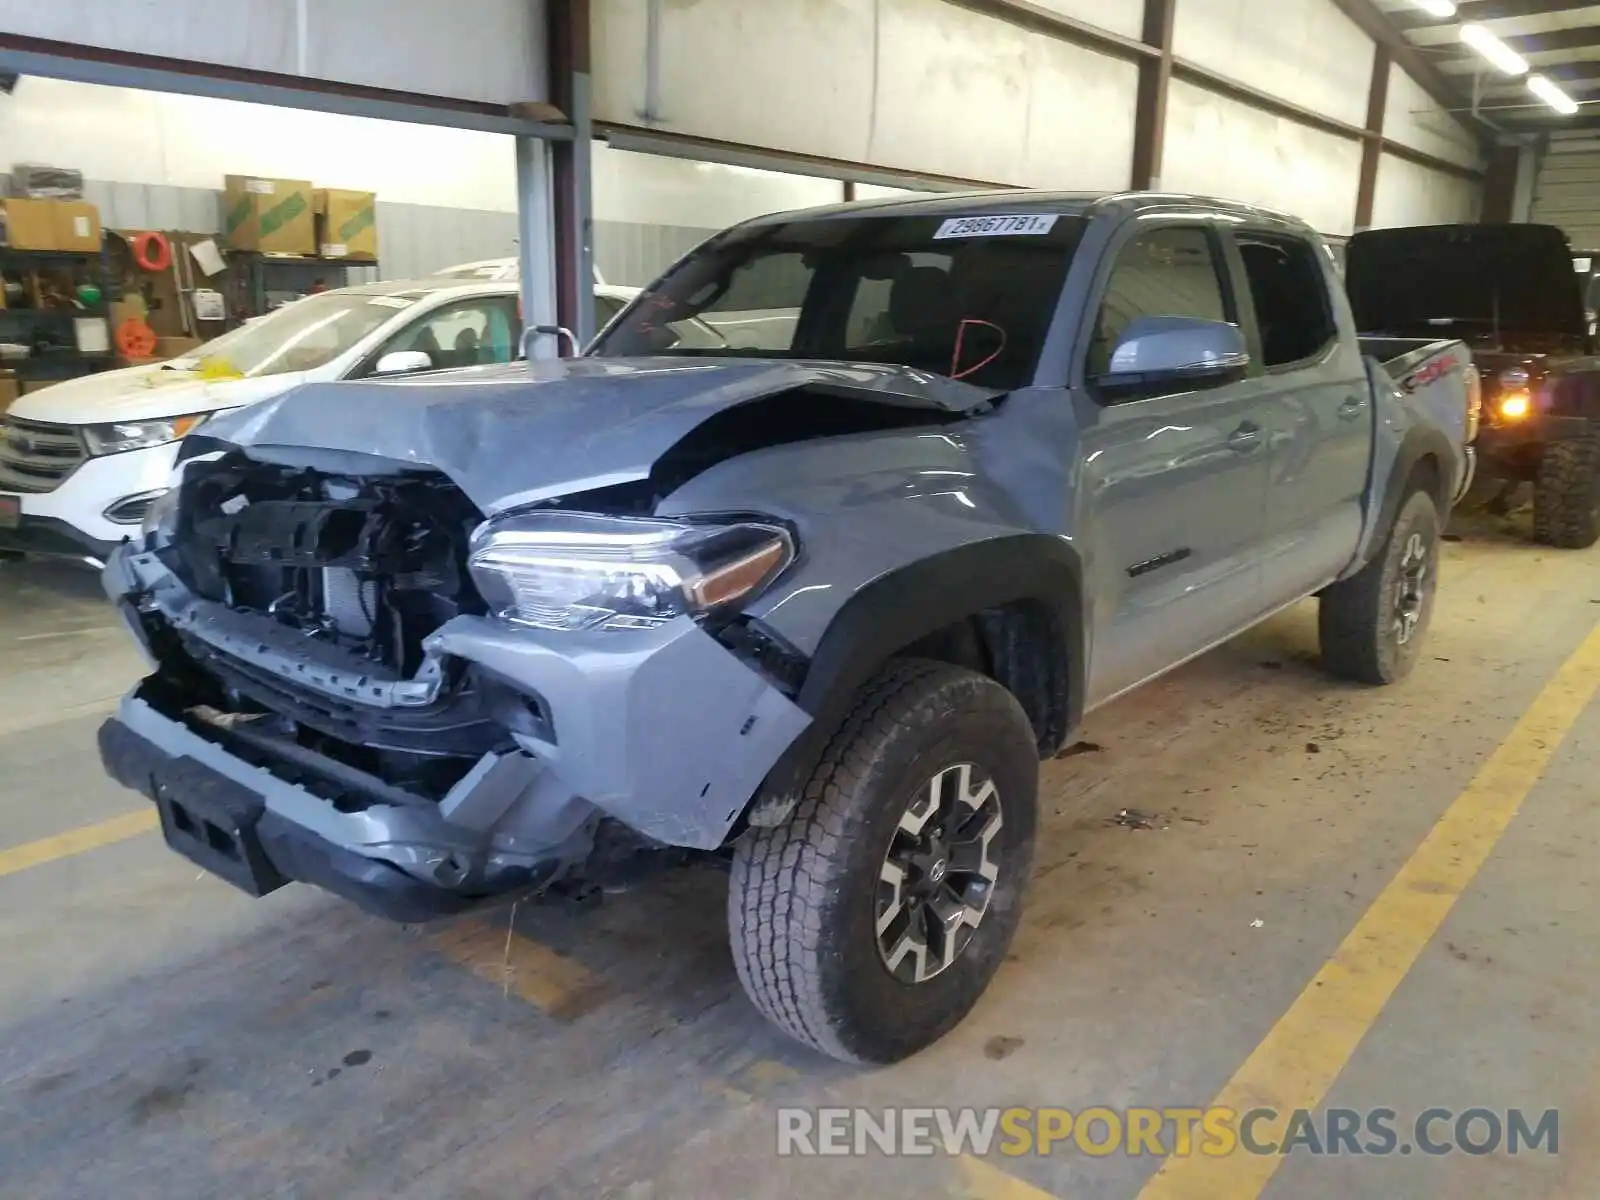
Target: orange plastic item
[(135, 339), (151, 251)]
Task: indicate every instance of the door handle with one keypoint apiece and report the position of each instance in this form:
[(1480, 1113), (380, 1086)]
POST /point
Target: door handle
[(1352, 408), (1245, 438)]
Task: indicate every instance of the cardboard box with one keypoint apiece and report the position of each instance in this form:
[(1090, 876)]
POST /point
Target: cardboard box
[(10, 389), (273, 216), (30, 224), (347, 224), (77, 225)]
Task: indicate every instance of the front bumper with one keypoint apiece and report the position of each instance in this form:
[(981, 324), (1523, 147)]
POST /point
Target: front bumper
[(248, 825), (663, 730), (53, 538), (225, 827), (69, 521)]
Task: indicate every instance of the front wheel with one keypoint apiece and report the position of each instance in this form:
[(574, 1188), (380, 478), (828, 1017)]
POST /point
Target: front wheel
[(1372, 625), (869, 923), (1566, 494)]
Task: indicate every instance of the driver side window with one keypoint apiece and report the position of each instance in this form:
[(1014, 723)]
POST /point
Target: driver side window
[(1167, 272), (468, 334)]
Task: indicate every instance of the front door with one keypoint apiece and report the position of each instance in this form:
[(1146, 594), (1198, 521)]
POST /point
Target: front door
[(1174, 483)]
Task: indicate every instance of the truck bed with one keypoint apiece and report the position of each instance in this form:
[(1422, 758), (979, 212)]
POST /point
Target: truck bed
[(1400, 356), (1429, 373)]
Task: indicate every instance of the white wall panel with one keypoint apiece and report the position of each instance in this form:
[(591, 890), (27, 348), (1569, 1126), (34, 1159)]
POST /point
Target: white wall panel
[(484, 50), (1081, 109), (1415, 119), (1117, 16), (794, 76), (192, 142), (918, 85), (1224, 148), (1567, 190), (1303, 51), (1410, 194), (952, 91), (646, 189)]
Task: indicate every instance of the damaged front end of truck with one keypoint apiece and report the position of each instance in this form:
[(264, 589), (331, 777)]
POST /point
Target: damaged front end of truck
[(425, 651)]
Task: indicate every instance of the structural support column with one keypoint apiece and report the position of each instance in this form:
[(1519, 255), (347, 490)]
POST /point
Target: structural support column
[(1372, 138), (1155, 79), (572, 167), (535, 253)]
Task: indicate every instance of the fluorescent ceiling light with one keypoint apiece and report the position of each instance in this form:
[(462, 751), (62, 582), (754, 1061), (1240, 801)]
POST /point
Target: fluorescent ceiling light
[(1437, 8), (1502, 56), (1547, 90)]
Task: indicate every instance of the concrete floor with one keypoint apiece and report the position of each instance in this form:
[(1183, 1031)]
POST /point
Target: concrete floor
[(163, 1035)]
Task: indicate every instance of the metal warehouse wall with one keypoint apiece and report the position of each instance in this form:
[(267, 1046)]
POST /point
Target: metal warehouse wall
[(1568, 189), (490, 51), (917, 85), (997, 93)]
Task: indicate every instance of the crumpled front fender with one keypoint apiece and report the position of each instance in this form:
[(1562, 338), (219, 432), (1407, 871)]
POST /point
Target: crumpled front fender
[(663, 729)]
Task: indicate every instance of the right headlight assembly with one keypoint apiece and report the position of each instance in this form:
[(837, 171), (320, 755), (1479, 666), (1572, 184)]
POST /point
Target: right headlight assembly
[(574, 571)]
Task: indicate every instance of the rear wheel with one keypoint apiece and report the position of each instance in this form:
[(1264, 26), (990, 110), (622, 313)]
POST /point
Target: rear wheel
[(1566, 494), (869, 923), (1372, 625)]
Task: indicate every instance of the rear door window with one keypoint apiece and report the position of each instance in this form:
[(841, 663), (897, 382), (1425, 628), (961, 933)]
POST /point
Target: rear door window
[(1289, 292)]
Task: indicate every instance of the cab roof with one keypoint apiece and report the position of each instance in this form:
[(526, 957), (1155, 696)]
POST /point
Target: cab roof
[(1023, 201)]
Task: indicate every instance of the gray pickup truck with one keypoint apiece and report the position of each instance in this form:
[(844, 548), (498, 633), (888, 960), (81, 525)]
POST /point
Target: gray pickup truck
[(808, 590)]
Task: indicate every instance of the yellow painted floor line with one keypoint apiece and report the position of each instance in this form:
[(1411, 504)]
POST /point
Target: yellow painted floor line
[(77, 841), (551, 982), (1306, 1050)]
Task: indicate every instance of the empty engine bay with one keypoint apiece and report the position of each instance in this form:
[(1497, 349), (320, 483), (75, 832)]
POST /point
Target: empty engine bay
[(347, 576), (371, 565)]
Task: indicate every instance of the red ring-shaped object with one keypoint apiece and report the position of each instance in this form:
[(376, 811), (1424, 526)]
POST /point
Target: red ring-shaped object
[(151, 251), (135, 339)]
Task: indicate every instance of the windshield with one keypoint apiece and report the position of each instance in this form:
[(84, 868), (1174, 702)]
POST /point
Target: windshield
[(302, 335), (970, 298)]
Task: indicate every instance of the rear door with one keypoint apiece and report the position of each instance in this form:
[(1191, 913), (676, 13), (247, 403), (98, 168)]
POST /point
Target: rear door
[(1312, 389), (1174, 481)]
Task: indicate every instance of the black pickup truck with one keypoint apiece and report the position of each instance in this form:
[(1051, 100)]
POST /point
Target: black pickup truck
[(1512, 294)]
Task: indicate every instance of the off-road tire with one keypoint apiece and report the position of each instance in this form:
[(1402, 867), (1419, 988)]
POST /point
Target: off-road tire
[(1566, 494), (1357, 618), (802, 896)]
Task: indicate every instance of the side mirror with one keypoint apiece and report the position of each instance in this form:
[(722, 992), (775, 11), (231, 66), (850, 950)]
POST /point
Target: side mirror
[(400, 362), (1175, 352)]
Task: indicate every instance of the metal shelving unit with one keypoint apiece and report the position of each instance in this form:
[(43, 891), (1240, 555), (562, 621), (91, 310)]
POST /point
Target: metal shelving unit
[(258, 283), (50, 331)]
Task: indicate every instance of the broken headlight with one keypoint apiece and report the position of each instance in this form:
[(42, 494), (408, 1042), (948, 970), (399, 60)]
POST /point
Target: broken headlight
[(569, 571)]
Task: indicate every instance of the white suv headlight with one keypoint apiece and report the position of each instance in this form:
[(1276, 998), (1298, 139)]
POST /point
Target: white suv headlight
[(570, 571), (138, 435)]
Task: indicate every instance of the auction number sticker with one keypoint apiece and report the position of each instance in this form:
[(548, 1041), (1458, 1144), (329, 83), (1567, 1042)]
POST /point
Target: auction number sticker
[(1014, 226)]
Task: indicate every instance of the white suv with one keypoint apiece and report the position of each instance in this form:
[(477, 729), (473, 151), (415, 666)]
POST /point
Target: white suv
[(81, 461)]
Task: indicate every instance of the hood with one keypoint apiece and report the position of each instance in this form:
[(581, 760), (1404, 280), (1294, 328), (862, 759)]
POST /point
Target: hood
[(513, 435), (1490, 285), (144, 393)]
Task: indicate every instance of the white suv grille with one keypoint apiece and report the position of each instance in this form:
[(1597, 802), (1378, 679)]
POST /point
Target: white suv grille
[(36, 456)]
